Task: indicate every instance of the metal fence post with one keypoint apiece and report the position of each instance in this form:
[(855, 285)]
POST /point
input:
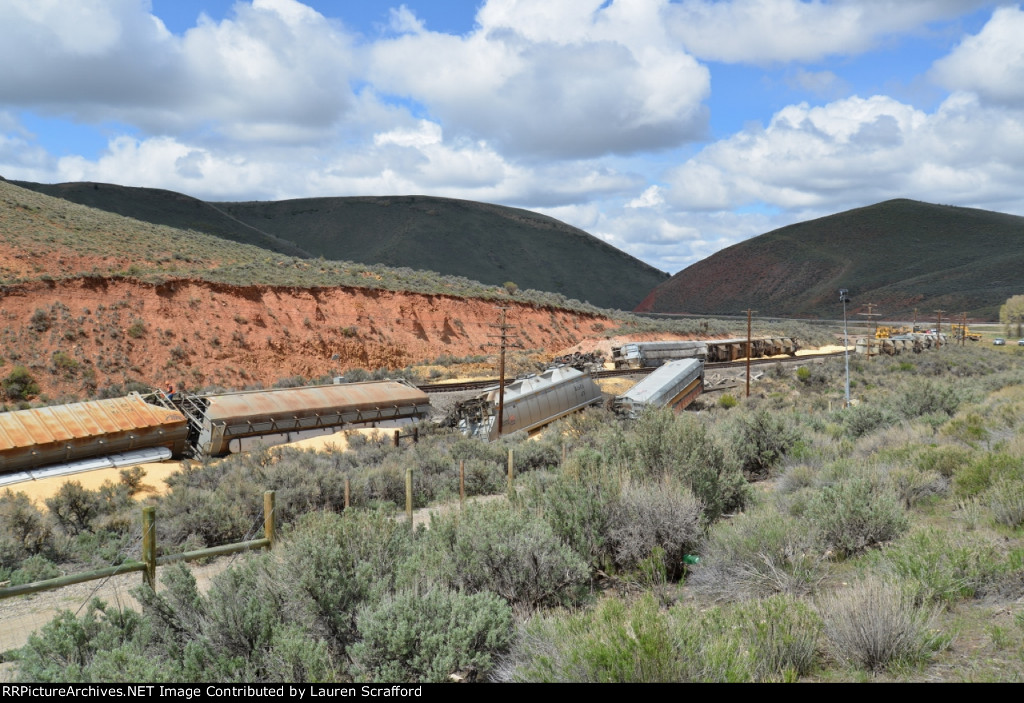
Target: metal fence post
[(149, 546)]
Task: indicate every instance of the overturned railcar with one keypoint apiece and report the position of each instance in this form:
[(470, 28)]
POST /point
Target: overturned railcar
[(673, 385), (636, 355), (232, 422), (529, 403), (64, 434), (890, 346)]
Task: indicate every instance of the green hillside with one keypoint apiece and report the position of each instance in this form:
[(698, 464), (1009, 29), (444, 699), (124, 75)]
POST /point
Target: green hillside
[(899, 255), (164, 207), (487, 243)]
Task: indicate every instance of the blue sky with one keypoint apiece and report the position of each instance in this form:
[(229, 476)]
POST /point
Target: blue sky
[(671, 129)]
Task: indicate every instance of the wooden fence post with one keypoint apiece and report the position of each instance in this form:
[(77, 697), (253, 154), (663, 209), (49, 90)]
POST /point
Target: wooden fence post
[(511, 476), (346, 493), (408, 495), (268, 517), (396, 438), (149, 546)]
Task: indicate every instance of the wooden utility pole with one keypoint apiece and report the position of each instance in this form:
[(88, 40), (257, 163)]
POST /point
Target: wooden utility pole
[(870, 313), (504, 337), (749, 313), (938, 329)]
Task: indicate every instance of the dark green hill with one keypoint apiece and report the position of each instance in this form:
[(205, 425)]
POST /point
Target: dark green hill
[(482, 242), (488, 243), (164, 207), (899, 254)]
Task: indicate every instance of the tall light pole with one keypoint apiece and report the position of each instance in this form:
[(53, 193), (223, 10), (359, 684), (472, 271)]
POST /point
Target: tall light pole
[(844, 298)]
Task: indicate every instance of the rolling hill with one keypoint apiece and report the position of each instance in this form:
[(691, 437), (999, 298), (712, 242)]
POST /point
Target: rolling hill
[(487, 243), (898, 254)]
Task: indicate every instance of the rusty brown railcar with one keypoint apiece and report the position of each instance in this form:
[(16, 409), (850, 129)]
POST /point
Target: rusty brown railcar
[(282, 415), (64, 433)]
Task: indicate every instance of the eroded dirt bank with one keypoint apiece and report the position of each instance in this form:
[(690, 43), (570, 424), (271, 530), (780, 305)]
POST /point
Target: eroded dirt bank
[(81, 334)]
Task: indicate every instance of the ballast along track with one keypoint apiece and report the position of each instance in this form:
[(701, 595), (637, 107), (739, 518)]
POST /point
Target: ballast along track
[(487, 383)]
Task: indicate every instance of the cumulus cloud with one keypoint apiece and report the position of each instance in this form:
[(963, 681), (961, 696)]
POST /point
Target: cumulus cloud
[(275, 70), (561, 80), (857, 151), (990, 63), (764, 31)]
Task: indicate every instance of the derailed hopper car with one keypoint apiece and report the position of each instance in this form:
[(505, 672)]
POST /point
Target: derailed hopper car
[(529, 403), (77, 431), (636, 355), (226, 423), (673, 385)]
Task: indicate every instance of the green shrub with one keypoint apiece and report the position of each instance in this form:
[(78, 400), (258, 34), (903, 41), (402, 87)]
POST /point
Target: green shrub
[(578, 504), (984, 471), (913, 485), (24, 530), (19, 385), (728, 401), (416, 637), (74, 507), (661, 443), (612, 643), (946, 460), (771, 640), (874, 625), (758, 554), (512, 553), (137, 330), (928, 398), (34, 568), (646, 518), (859, 420), (939, 566), (781, 635), (337, 563), (68, 648), (855, 514), (760, 440), (1006, 499)]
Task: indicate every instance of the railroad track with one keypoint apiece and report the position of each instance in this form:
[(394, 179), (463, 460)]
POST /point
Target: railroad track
[(613, 373)]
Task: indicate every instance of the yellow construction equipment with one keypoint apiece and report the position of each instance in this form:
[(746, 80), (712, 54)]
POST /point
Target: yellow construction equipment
[(887, 332), (962, 331)]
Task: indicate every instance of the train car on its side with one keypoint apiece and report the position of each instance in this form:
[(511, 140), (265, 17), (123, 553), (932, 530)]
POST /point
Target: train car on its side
[(63, 434), (232, 422), (529, 403), (673, 385), (639, 355)]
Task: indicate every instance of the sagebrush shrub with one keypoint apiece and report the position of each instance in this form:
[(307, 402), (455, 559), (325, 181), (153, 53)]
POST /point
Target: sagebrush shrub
[(855, 514), (939, 566), (614, 642), (873, 624), (427, 637), (510, 552), (758, 554), (661, 516)]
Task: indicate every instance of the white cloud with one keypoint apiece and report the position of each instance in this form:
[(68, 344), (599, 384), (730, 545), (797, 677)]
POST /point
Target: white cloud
[(651, 197), (763, 31), (561, 80), (275, 70), (990, 63), (859, 151)]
